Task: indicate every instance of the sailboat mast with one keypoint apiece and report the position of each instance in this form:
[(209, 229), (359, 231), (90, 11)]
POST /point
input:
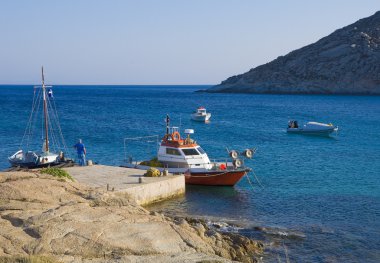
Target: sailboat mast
[(167, 123), (45, 113)]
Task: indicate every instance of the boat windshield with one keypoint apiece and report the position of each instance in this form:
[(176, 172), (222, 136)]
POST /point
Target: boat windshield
[(190, 151), (201, 150), (172, 151)]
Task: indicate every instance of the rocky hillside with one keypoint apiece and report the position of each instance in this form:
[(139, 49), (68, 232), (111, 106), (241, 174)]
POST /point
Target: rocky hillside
[(345, 62), (47, 220)]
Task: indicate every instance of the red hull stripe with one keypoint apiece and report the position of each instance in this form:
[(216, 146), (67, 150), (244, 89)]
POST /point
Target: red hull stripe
[(229, 178)]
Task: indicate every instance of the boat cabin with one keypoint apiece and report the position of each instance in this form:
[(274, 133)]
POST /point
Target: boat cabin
[(178, 152), (201, 111)]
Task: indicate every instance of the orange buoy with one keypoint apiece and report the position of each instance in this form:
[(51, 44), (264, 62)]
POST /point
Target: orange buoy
[(176, 136)]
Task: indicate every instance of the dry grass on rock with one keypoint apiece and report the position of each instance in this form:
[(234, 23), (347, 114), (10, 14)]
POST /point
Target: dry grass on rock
[(27, 259)]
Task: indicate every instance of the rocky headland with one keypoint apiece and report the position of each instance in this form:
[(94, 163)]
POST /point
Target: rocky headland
[(345, 62), (45, 219)]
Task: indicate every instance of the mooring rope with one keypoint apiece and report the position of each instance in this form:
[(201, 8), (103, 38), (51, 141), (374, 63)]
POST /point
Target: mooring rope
[(27, 132), (33, 122), (53, 122), (257, 179), (59, 128), (30, 117), (249, 181)]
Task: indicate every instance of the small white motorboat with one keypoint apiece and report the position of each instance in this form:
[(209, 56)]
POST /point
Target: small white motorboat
[(201, 115), (311, 127)]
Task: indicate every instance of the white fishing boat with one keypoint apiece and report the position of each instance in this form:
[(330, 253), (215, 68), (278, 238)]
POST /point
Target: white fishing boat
[(201, 115), (47, 156), (314, 128), (183, 155)]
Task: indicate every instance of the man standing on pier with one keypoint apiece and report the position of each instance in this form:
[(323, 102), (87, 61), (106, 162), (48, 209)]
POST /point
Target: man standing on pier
[(81, 151)]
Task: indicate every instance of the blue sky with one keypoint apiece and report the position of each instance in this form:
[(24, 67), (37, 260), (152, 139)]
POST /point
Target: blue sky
[(159, 42)]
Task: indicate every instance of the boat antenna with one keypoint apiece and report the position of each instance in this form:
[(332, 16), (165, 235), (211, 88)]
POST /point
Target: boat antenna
[(167, 123), (45, 113), (180, 121)]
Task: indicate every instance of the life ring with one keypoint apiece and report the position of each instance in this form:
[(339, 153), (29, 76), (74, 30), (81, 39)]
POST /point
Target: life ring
[(176, 136), (234, 154), (237, 163), (248, 153)]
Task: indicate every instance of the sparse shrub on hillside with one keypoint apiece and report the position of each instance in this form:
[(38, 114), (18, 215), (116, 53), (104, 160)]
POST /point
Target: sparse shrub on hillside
[(57, 172)]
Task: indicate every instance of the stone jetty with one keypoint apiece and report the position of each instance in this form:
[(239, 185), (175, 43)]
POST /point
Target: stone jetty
[(130, 182)]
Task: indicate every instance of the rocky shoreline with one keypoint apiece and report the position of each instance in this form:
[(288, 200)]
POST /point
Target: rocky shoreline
[(54, 220)]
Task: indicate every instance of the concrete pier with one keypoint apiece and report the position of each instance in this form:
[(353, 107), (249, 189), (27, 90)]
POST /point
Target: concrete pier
[(143, 190)]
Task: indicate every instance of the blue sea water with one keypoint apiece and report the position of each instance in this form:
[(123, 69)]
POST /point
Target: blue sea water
[(320, 197)]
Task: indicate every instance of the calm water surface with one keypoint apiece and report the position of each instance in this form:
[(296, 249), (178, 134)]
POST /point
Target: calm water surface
[(320, 197)]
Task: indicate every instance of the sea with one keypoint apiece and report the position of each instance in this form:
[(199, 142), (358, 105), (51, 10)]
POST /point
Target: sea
[(308, 199)]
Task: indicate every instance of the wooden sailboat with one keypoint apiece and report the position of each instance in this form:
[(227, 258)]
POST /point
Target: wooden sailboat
[(45, 157)]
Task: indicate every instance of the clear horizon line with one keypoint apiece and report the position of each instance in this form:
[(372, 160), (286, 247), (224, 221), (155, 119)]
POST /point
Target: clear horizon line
[(7, 84)]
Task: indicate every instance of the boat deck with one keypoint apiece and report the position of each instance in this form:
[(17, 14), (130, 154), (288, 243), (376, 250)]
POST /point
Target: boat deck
[(24, 169)]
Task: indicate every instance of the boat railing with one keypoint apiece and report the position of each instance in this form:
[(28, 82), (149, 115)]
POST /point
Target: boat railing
[(180, 157), (217, 164)]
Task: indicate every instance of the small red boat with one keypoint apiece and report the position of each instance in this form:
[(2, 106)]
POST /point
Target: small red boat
[(180, 155)]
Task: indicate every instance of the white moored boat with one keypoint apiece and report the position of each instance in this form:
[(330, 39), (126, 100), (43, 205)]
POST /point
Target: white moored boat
[(45, 157), (201, 115), (311, 127)]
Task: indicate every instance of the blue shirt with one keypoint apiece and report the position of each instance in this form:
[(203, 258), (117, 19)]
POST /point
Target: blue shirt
[(79, 147)]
